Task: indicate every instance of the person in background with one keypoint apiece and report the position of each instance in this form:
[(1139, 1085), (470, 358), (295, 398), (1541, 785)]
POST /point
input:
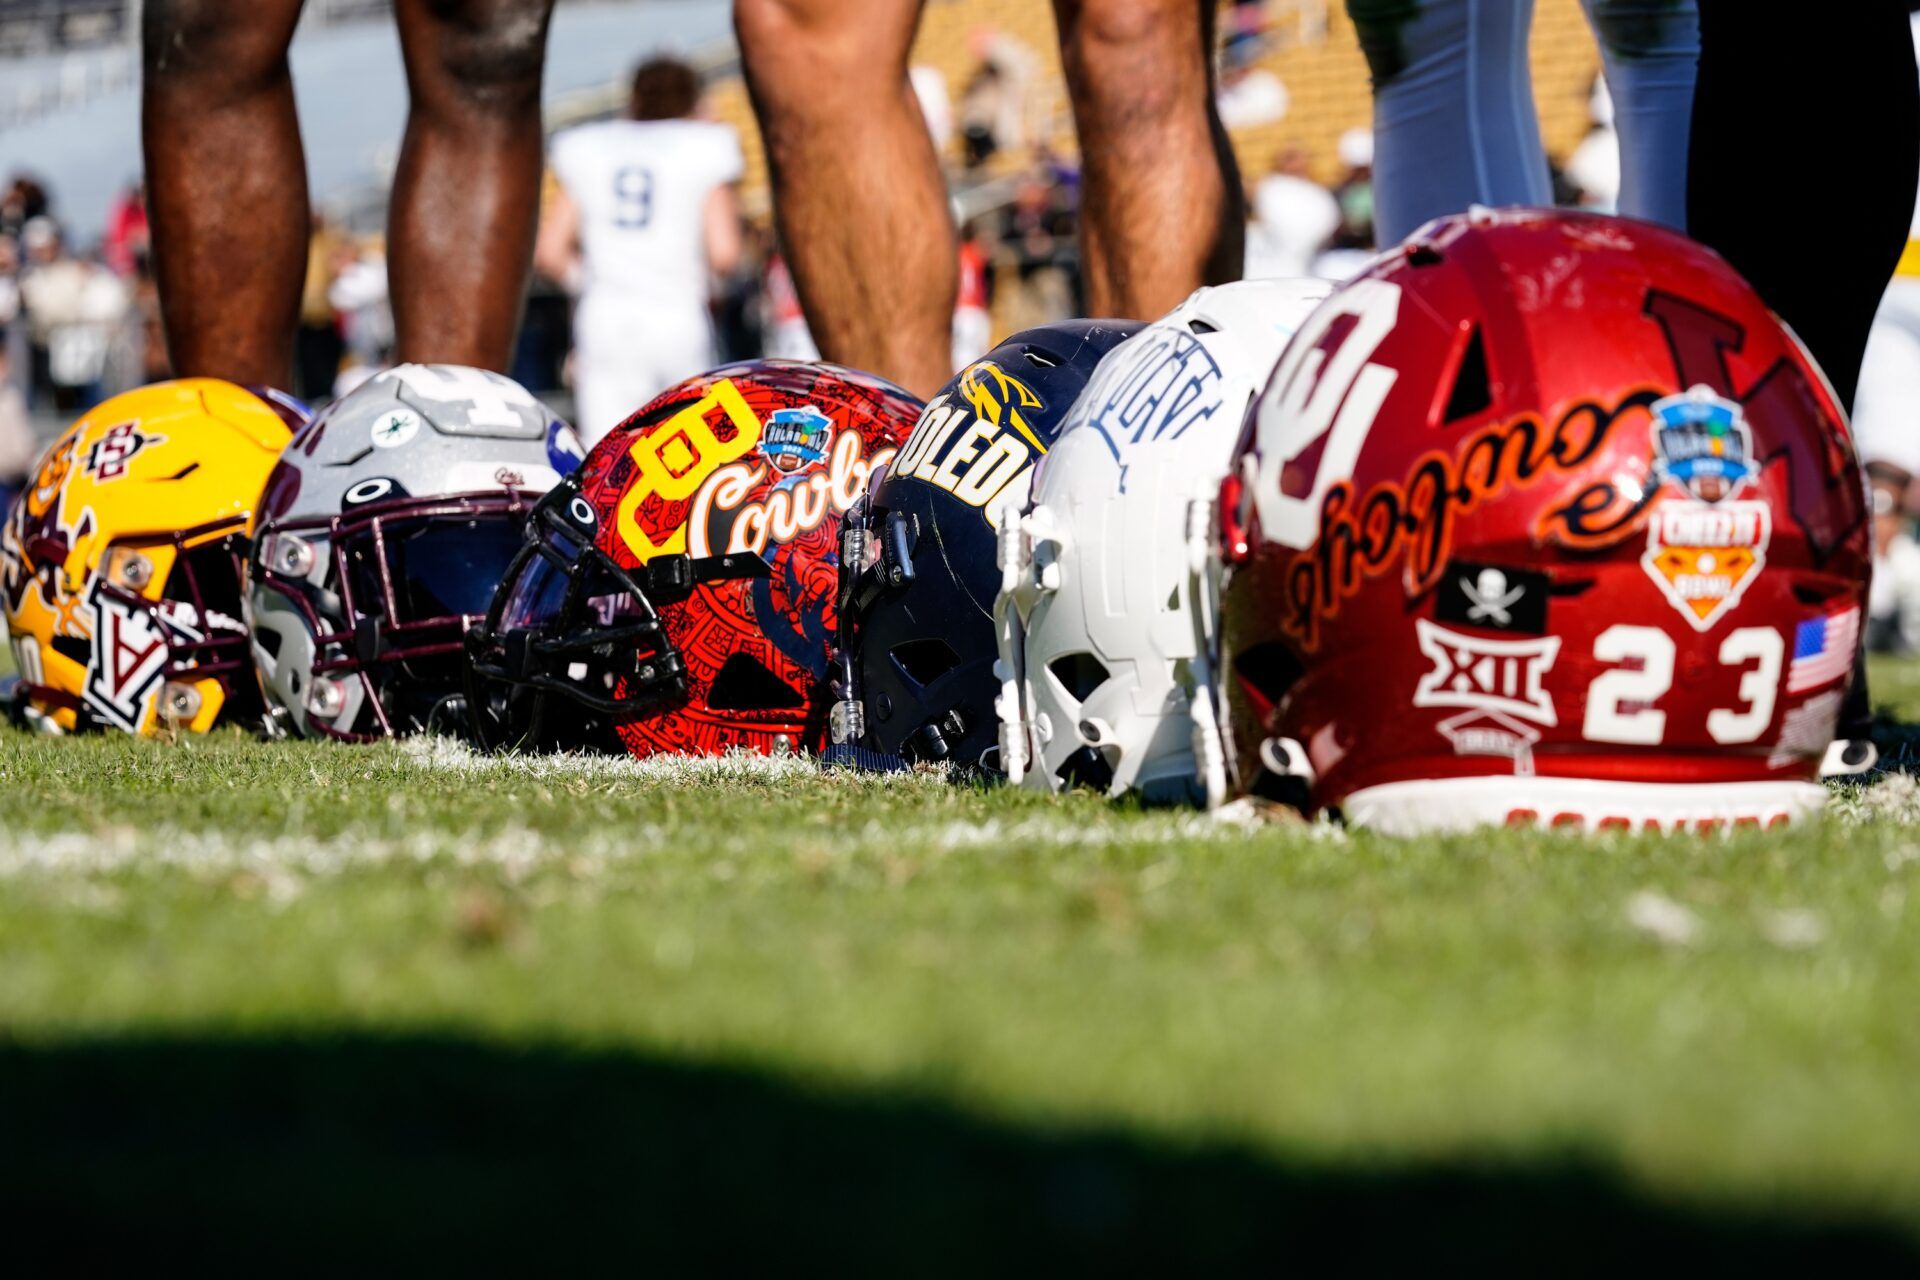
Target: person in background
[(1453, 110), (23, 200), (74, 308), (317, 345), (227, 181), (644, 216), (127, 241), (1294, 218), (1893, 603), (1821, 261), (862, 203), (18, 446), (973, 309)]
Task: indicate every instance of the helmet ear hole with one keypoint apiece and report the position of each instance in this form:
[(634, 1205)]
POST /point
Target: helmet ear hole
[(1266, 670), (745, 684), (1079, 674)]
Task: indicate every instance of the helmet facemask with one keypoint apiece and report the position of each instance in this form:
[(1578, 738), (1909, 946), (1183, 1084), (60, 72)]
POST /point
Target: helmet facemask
[(573, 643), (387, 594), (169, 649)]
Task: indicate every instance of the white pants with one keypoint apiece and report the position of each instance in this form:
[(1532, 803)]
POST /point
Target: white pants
[(1453, 113), (626, 354)]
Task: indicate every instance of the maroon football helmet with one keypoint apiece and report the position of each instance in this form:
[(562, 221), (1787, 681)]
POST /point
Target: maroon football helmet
[(1543, 518)]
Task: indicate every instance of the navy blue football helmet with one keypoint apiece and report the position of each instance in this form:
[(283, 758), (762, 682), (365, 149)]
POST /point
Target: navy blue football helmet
[(913, 662)]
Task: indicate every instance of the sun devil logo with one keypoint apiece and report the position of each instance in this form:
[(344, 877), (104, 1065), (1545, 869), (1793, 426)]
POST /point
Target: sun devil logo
[(109, 456), (796, 438), (1705, 548)]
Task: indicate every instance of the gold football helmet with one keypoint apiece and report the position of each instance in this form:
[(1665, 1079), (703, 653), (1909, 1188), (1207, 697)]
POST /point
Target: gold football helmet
[(120, 562)]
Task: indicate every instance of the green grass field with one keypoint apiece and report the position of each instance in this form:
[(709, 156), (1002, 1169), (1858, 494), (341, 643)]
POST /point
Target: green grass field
[(405, 1004)]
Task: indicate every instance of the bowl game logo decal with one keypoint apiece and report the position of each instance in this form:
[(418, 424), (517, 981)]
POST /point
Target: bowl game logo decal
[(1705, 547), (795, 438)]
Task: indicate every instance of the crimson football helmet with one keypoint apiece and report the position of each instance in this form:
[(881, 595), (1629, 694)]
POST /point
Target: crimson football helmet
[(1544, 517), (677, 594)]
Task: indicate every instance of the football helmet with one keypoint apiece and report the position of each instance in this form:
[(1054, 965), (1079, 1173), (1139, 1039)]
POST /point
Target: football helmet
[(1543, 517), (120, 563), (915, 654), (677, 595), (1098, 633), (382, 535)]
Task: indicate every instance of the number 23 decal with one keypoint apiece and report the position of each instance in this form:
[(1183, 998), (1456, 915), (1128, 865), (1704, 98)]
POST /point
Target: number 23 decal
[(1620, 702)]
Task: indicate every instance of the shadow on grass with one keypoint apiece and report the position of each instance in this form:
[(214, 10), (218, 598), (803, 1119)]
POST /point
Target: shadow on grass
[(442, 1152)]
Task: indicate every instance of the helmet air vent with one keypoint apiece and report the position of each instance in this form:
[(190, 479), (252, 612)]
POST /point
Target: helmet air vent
[(926, 660), (745, 684), (1472, 392), (1079, 674)]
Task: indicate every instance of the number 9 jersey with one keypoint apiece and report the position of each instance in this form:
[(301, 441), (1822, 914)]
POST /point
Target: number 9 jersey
[(1543, 518)]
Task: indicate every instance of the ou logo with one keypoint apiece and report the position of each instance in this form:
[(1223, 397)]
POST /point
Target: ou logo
[(1322, 399)]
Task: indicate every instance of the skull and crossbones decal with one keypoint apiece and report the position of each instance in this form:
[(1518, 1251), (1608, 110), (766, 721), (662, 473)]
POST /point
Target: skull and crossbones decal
[(1490, 599)]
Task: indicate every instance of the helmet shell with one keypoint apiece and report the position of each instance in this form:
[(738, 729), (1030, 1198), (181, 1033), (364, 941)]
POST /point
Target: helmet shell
[(710, 520), (120, 560), (419, 479), (920, 650), (1101, 622), (1550, 496)]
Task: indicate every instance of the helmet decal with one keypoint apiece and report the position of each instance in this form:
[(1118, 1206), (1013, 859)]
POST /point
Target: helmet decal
[(128, 659), (1411, 521), (976, 440), (394, 428), (564, 453), (109, 456), (724, 522), (795, 438), (1701, 443), (1158, 390), (677, 458)]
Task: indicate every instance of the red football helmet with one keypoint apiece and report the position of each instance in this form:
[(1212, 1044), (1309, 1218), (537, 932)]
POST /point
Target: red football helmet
[(678, 592), (1543, 518)]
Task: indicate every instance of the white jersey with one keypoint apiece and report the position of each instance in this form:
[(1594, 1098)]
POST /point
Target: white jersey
[(640, 186)]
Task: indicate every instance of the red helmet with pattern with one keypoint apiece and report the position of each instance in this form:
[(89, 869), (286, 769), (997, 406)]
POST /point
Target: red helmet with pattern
[(677, 594), (1544, 517)]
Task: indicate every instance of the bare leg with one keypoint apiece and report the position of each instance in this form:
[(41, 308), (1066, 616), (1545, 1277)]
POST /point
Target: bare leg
[(1162, 212), (858, 195), (227, 184), (466, 194)]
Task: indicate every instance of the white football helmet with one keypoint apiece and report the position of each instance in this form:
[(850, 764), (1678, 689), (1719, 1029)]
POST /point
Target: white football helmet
[(1103, 611)]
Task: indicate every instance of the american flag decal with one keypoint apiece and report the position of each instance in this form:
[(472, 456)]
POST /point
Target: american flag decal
[(1823, 650)]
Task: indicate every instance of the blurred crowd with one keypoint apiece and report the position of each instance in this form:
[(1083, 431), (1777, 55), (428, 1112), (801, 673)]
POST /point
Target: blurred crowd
[(77, 322)]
